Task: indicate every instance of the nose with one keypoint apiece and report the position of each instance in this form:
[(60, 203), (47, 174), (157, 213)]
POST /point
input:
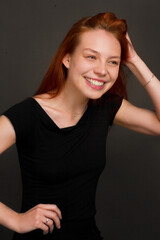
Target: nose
[(100, 69)]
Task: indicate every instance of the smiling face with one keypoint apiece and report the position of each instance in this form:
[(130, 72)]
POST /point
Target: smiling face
[(94, 65)]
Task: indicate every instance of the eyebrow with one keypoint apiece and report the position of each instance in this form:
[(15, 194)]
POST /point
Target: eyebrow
[(96, 52)]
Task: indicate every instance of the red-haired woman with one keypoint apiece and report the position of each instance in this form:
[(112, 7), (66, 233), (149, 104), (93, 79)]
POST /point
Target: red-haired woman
[(61, 131)]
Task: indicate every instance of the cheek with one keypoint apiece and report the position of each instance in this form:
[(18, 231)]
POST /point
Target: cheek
[(76, 71), (115, 74), (82, 67)]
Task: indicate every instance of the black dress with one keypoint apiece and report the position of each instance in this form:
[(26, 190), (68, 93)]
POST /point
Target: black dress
[(62, 166)]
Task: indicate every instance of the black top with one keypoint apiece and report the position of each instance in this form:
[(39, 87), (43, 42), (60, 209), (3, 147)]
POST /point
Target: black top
[(62, 166)]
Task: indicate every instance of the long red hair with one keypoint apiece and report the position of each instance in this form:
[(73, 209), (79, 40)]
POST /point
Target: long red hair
[(56, 75)]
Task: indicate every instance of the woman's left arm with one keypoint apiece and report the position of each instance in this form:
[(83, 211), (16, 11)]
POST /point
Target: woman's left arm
[(132, 117)]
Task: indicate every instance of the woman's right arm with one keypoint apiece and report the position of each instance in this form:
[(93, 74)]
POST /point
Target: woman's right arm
[(42, 216), (8, 217), (7, 139), (7, 134)]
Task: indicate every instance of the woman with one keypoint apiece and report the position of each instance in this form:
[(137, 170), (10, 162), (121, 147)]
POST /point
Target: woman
[(61, 131)]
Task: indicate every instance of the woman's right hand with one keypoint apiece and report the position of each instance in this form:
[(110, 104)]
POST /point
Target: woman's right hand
[(42, 216)]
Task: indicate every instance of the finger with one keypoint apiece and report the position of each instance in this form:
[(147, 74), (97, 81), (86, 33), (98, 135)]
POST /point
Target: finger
[(51, 207), (41, 211), (127, 37), (49, 223), (40, 223), (53, 216), (49, 214), (44, 228)]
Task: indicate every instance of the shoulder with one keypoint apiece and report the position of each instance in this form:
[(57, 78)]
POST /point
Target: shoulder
[(113, 99), (20, 116), (108, 107), (20, 109), (22, 105)]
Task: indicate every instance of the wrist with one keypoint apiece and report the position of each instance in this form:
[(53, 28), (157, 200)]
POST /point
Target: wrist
[(16, 222), (8, 217), (13, 221), (133, 62), (140, 70)]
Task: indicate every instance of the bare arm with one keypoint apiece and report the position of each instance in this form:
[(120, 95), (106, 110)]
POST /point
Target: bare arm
[(42, 216), (132, 117), (137, 119), (7, 134), (8, 217)]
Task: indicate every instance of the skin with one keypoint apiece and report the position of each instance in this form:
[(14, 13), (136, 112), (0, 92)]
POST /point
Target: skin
[(97, 57), (98, 60)]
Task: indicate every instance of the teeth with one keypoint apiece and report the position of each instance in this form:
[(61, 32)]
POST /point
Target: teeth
[(94, 82)]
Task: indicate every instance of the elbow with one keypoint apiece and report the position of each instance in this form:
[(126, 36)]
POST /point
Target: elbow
[(155, 127), (1, 151), (156, 132)]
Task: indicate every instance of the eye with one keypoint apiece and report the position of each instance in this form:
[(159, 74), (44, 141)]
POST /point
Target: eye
[(91, 57), (114, 63)]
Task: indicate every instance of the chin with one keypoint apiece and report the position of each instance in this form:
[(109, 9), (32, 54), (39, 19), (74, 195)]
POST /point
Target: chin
[(95, 96)]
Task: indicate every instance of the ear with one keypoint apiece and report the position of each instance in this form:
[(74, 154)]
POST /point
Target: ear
[(66, 60)]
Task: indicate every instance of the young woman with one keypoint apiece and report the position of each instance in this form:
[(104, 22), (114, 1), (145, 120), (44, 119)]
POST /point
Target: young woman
[(61, 131)]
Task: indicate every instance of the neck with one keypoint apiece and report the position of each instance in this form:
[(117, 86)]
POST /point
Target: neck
[(71, 101)]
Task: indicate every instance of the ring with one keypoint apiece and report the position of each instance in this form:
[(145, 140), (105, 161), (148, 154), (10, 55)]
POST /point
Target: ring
[(47, 220)]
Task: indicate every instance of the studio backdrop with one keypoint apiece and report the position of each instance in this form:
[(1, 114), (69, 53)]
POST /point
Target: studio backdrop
[(128, 195)]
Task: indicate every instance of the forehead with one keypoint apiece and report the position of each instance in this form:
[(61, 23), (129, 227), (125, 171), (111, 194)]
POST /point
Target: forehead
[(101, 41)]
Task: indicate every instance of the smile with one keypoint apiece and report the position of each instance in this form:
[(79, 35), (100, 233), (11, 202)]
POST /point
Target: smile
[(95, 82)]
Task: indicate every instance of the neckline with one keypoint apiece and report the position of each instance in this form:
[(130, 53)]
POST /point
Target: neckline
[(52, 123)]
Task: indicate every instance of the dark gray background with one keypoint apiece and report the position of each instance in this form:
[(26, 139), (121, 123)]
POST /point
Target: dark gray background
[(128, 193)]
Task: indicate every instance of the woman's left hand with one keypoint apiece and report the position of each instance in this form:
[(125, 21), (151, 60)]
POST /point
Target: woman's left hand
[(132, 55)]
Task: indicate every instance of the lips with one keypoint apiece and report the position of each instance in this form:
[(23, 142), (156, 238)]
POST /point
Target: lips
[(95, 82)]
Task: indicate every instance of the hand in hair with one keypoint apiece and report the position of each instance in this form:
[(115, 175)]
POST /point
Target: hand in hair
[(131, 55)]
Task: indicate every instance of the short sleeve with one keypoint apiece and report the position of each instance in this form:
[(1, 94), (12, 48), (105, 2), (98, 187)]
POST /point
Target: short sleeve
[(20, 117), (114, 103)]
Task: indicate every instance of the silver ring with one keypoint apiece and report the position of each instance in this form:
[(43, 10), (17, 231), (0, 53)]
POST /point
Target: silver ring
[(47, 220)]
